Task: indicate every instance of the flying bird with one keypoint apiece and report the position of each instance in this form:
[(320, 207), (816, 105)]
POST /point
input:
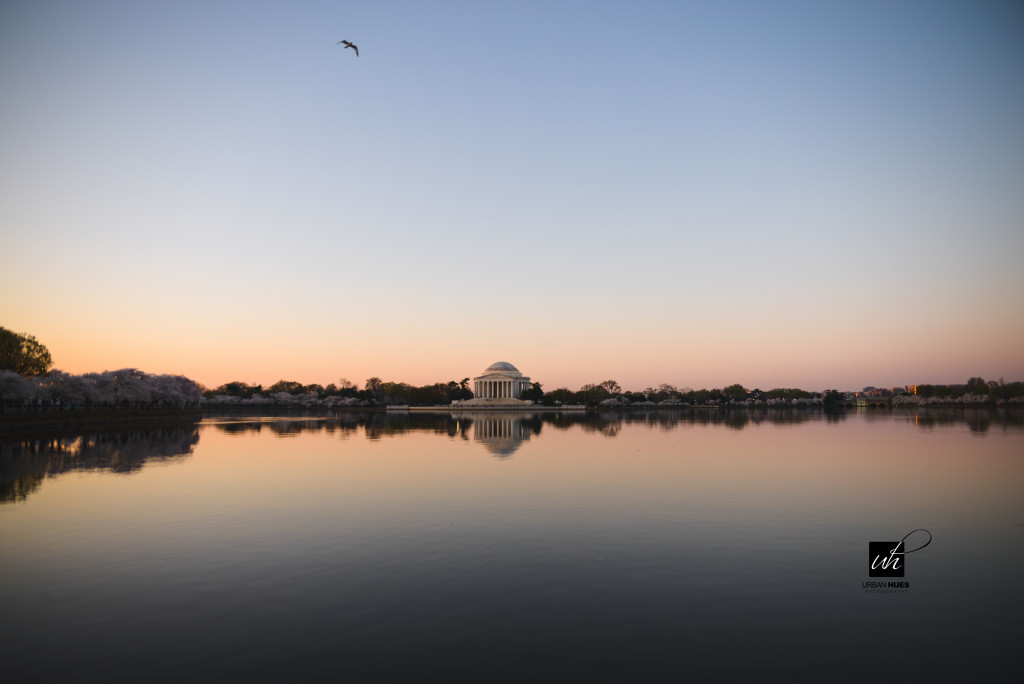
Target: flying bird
[(349, 45)]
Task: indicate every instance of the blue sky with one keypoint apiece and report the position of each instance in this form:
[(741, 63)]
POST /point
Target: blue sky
[(694, 193)]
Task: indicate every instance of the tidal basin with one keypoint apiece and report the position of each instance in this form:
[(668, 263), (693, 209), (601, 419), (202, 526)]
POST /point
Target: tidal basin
[(514, 547)]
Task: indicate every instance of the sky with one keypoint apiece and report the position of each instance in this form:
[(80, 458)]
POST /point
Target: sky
[(779, 194)]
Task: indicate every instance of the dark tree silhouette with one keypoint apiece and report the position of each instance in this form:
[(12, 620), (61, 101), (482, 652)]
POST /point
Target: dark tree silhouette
[(23, 354)]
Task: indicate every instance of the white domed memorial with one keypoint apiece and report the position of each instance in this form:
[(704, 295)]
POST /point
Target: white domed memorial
[(500, 385)]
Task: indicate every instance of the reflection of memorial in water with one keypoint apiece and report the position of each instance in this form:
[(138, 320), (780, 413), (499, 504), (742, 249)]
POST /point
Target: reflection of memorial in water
[(500, 433), (25, 463)]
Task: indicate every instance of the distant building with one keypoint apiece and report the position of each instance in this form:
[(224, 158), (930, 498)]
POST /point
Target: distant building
[(501, 385), (501, 380)]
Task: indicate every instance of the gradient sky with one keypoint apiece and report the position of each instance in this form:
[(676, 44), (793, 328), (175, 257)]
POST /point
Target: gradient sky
[(811, 194)]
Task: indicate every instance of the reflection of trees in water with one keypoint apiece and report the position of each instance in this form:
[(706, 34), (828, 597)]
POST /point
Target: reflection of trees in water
[(833, 416), (737, 420), (283, 426), (978, 419), (609, 422), (25, 463), (376, 425), (501, 431), (445, 424)]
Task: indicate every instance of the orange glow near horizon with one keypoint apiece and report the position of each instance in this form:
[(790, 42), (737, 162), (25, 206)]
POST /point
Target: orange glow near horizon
[(694, 363)]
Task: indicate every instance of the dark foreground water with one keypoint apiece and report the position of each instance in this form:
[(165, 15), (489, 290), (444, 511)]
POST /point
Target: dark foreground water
[(656, 547)]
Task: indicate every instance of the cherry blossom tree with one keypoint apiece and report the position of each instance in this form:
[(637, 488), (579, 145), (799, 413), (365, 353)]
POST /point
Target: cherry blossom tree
[(125, 387), (14, 387)]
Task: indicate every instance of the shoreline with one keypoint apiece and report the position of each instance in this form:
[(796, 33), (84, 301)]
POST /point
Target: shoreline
[(13, 422), (19, 423)]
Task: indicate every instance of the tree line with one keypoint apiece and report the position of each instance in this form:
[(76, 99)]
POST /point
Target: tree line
[(610, 393), (376, 391), (343, 393), (125, 388), (26, 376), (977, 387), (607, 393)]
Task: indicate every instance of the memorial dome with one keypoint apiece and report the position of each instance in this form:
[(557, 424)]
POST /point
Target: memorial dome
[(502, 366)]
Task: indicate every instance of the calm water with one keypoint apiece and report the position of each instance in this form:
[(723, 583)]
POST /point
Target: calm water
[(500, 548)]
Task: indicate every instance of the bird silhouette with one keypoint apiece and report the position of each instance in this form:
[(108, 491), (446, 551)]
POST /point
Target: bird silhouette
[(348, 45)]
